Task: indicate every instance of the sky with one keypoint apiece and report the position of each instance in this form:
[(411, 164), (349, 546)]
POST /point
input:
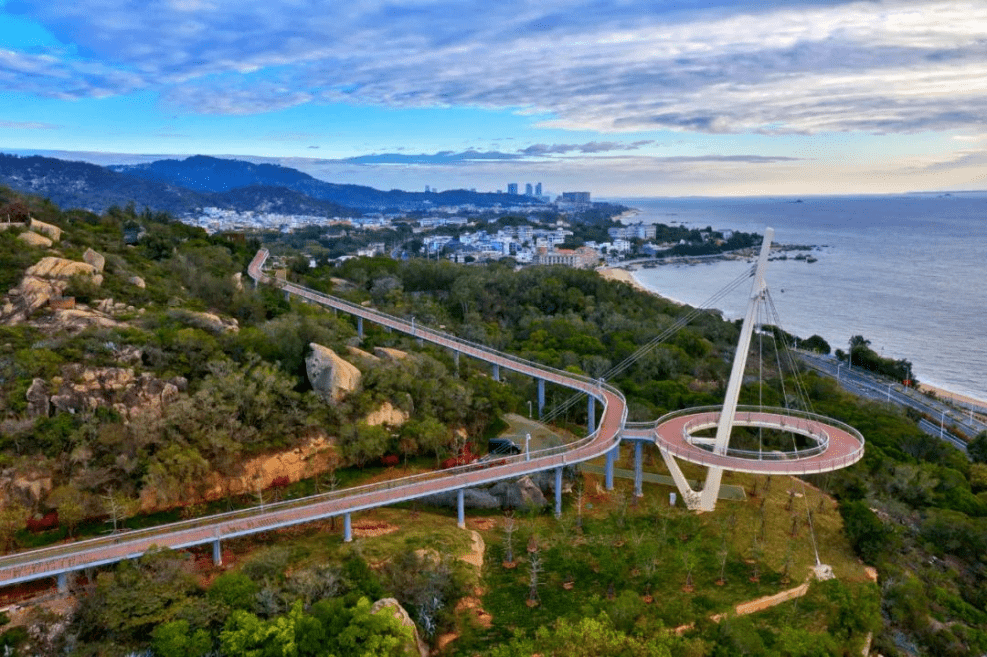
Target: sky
[(617, 97)]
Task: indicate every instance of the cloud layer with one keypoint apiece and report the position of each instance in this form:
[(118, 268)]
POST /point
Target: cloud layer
[(631, 65)]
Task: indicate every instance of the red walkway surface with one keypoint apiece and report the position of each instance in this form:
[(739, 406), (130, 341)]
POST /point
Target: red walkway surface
[(844, 447)]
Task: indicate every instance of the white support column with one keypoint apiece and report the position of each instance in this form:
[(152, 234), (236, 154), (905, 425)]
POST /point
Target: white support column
[(612, 457), (638, 469), (711, 489), (558, 492)]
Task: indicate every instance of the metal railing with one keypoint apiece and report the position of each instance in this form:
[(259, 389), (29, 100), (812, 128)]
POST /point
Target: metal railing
[(807, 461)]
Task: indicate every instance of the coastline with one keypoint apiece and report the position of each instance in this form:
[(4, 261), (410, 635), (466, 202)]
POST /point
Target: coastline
[(942, 393), (627, 214), (627, 276)]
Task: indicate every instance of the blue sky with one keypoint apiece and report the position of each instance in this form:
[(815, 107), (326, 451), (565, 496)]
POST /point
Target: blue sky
[(621, 97)]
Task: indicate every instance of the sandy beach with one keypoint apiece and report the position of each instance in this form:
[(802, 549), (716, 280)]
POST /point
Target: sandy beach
[(620, 274), (946, 394)]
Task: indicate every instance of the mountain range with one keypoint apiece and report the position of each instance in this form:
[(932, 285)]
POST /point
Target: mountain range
[(183, 187)]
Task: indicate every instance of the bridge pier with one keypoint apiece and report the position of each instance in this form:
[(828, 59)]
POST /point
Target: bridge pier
[(638, 469), (558, 492), (541, 397), (63, 582), (421, 342), (217, 553), (287, 295), (455, 359), (359, 327), (591, 413), (460, 510), (496, 372), (611, 459), (347, 528)]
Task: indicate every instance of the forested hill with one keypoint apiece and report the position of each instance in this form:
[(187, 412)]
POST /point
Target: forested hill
[(212, 174), (90, 187)]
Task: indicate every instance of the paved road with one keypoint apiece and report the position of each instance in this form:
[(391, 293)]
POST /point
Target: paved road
[(865, 384)]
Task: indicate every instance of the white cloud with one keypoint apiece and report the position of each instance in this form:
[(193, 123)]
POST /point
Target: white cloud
[(888, 66)]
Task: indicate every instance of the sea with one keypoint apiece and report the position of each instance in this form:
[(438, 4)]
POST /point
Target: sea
[(907, 272)]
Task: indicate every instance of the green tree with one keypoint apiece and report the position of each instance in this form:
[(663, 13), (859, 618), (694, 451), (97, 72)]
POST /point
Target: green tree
[(587, 637), (138, 596), (69, 501), (867, 534), (977, 448), (12, 519), (174, 639), (364, 443), (234, 589)]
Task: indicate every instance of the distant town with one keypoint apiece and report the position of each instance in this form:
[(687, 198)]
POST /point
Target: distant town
[(546, 232)]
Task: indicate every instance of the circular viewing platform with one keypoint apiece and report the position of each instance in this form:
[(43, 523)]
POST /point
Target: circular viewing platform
[(832, 444)]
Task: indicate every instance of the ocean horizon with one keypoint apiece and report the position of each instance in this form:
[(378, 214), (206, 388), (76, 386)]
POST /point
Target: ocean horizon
[(906, 271)]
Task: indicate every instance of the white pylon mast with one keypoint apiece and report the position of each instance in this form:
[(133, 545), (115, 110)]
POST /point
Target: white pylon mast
[(712, 487)]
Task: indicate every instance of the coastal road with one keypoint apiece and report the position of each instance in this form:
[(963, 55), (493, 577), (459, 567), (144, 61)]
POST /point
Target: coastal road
[(864, 384)]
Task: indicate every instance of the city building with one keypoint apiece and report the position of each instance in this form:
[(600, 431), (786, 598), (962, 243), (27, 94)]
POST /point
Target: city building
[(575, 197), (528, 189), (512, 188), (584, 256), (538, 189)]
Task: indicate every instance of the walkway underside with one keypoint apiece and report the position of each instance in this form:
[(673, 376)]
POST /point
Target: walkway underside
[(832, 446)]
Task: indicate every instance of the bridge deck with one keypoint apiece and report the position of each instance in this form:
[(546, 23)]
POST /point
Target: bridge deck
[(844, 447)]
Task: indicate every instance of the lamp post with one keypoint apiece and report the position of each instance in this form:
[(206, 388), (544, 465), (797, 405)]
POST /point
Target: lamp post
[(529, 409)]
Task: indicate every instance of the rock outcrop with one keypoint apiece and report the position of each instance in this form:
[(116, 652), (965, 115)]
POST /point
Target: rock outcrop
[(518, 494), (118, 388), (388, 353), (34, 239), (138, 281), (473, 498), (206, 321), (38, 404), (43, 281), (316, 455), (48, 230), (26, 488), (387, 415), (331, 376), (360, 354), (72, 320), (94, 259), (392, 606)]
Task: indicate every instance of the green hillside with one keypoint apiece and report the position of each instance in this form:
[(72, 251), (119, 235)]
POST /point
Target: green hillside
[(172, 377)]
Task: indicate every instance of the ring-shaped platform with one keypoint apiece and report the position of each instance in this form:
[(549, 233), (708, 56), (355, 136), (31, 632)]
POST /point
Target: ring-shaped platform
[(837, 445)]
